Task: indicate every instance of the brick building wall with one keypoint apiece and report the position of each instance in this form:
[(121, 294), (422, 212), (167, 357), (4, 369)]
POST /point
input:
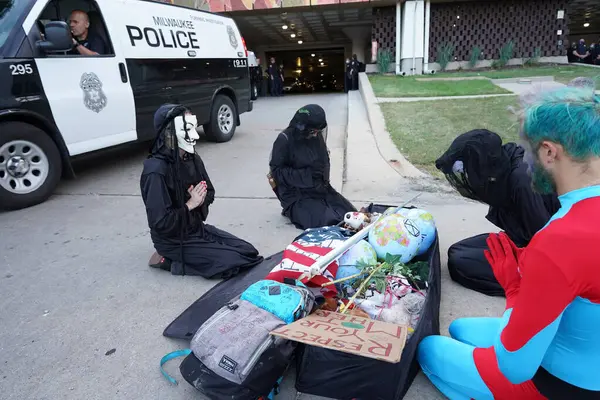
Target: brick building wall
[(530, 24), (383, 30)]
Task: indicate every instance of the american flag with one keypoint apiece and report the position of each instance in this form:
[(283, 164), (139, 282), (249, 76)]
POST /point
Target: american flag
[(304, 251)]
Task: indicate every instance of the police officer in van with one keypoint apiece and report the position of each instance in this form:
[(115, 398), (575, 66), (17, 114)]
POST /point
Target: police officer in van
[(84, 42)]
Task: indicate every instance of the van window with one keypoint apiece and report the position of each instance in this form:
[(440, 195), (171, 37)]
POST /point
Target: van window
[(10, 13), (95, 37)]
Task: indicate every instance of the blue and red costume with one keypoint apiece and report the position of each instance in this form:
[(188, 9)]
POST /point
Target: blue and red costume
[(547, 343)]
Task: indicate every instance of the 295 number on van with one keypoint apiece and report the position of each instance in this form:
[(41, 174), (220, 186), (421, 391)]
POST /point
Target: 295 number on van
[(20, 69)]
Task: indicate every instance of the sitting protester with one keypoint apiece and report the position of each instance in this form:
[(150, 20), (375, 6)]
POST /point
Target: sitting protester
[(299, 174), (546, 345), (480, 168), (177, 192)]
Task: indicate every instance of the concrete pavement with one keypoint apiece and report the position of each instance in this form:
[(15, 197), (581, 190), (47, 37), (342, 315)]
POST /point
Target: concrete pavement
[(75, 283)]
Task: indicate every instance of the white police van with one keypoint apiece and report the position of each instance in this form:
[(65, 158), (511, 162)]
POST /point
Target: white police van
[(55, 105)]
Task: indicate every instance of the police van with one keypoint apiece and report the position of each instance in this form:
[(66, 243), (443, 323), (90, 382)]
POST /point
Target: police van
[(73, 83)]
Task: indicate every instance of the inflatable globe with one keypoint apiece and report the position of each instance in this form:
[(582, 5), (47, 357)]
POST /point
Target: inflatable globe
[(390, 211), (361, 252), (425, 223), (397, 236)]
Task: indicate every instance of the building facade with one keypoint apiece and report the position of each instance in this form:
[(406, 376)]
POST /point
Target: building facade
[(417, 34), (422, 30)]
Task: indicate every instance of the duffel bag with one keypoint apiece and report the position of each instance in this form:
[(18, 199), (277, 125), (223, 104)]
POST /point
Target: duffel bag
[(233, 353)]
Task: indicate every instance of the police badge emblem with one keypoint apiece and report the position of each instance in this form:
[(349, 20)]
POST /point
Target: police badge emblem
[(232, 39), (93, 97)]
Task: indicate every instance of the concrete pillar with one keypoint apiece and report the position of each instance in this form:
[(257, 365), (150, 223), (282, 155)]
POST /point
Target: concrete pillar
[(360, 37), (398, 36), (426, 39), (260, 53), (413, 23), (347, 51)]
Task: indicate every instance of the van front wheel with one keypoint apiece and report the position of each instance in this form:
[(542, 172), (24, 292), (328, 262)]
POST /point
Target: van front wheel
[(30, 165), (223, 120)]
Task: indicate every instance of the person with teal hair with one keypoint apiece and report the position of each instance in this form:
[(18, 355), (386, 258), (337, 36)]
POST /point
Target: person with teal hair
[(546, 344)]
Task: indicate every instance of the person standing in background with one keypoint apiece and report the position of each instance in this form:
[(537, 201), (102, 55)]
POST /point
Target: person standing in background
[(347, 76), (259, 77), (354, 68), (274, 78), (595, 53), (282, 76), (581, 53)]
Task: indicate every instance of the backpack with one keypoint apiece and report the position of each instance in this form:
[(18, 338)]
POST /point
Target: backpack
[(270, 177), (235, 356)]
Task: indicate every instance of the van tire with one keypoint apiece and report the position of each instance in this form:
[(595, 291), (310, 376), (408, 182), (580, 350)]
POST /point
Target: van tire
[(253, 92), (40, 156), (223, 120)]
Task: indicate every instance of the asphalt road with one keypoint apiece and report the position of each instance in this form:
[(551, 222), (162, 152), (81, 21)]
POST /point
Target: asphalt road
[(82, 315)]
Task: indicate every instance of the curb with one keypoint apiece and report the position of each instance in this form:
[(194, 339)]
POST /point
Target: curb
[(462, 78), (384, 142), (586, 65), (524, 79)]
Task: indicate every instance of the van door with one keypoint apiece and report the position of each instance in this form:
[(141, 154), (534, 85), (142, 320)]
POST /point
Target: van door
[(90, 95)]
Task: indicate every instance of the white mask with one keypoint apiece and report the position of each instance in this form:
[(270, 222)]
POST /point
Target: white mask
[(186, 135)]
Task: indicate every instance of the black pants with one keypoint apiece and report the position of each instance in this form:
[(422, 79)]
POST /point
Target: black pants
[(276, 87), (469, 267), (354, 80), (312, 212)]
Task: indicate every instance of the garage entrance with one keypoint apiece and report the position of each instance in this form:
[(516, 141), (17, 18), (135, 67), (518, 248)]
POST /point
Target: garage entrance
[(310, 71), (584, 24), (311, 42)]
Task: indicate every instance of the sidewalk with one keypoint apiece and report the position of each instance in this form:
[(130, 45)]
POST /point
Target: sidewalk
[(411, 99), (369, 178)]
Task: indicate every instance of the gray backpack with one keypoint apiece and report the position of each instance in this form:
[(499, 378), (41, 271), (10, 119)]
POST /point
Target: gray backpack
[(235, 343)]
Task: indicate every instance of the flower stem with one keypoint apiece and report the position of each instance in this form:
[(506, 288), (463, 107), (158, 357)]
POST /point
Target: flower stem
[(345, 308)]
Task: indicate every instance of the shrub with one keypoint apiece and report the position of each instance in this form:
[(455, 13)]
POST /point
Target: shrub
[(475, 56), (506, 53), (444, 54), (535, 60), (384, 58)]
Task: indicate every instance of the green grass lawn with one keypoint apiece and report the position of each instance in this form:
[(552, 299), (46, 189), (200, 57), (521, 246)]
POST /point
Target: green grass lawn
[(408, 86), (423, 130), (561, 73)]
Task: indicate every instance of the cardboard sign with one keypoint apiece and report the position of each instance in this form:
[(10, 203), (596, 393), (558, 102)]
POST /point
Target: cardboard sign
[(349, 334)]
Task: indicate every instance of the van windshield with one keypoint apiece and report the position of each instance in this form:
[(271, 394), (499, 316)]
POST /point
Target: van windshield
[(10, 12)]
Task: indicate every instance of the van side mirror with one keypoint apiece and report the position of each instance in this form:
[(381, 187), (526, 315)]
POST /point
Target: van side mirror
[(57, 37)]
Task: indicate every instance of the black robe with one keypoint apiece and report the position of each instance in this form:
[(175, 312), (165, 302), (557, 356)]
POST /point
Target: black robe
[(182, 236), (304, 202), (525, 213)]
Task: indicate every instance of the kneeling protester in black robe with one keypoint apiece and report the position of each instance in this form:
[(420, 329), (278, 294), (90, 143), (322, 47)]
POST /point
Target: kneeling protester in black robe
[(481, 168), (177, 192), (300, 168)]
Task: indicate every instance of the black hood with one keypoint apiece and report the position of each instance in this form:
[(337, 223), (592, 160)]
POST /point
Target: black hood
[(487, 165), (310, 117), (515, 153), (163, 126)]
